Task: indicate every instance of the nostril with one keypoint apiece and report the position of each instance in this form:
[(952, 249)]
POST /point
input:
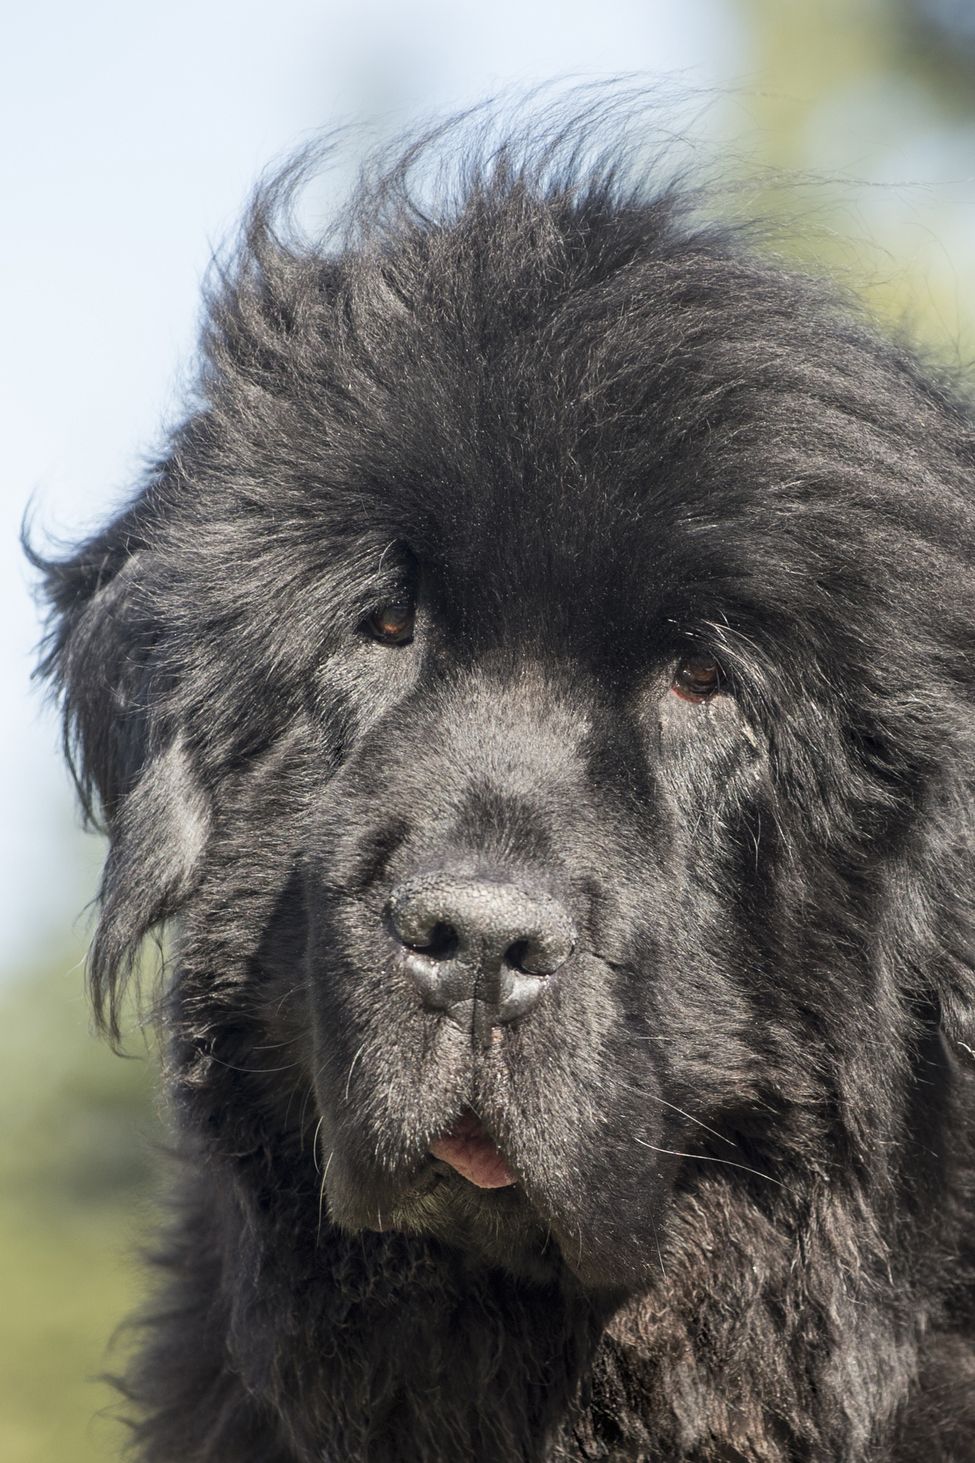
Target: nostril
[(539, 955), (420, 926), (523, 956), (516, 954), (440, 943)]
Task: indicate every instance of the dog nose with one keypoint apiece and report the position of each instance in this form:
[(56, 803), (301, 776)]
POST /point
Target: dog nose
[(479, 949)]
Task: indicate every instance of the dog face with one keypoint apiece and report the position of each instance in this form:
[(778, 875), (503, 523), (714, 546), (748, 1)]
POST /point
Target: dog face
[(526, 681), (496, 881)]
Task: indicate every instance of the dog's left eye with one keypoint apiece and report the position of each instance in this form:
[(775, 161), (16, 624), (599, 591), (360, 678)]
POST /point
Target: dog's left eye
[(697, 677), (393, 623)]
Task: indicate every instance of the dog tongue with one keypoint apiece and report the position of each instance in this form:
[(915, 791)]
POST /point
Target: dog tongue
[(475, 1156)]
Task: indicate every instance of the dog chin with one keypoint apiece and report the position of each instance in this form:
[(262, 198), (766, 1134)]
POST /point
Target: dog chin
[(495, 1226)]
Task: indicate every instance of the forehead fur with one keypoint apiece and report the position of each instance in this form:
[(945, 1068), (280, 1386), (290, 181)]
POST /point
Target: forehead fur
[(552, 341), (547, 350)]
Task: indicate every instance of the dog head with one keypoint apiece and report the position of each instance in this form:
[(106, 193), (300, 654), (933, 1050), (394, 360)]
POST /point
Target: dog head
[(538, 681)]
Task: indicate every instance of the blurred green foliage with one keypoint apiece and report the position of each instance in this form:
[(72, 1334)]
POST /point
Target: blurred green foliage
[(77, 1133), (863, 113)]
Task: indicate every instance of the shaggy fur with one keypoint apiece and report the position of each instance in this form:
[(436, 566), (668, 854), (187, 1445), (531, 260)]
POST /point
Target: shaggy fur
[(601, 446)]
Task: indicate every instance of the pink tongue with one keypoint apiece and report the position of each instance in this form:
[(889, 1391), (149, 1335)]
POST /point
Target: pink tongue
[(469, 1150)]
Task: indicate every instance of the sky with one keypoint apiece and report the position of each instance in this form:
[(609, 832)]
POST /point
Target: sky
[(131, 138)]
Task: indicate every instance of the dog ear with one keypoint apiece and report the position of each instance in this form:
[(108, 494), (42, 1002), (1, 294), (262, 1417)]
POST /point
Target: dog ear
[(158, 836), (133, 772)]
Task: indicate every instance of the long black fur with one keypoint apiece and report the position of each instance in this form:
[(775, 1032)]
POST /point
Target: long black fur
[(592, 434)]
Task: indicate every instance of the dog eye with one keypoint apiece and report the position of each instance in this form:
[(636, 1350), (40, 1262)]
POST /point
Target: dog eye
[(696, 678), (392, 624)]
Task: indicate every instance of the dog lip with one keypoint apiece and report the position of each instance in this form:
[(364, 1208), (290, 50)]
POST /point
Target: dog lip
[(470, 1150)]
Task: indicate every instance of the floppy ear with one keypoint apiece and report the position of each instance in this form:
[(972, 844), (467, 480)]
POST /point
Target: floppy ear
[(133, 774)]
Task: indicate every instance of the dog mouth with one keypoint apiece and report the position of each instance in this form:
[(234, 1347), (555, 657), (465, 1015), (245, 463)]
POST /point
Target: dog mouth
[(470, 1150)]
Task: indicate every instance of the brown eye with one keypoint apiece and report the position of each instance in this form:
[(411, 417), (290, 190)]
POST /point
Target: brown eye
[(696, 678), (392, 624)]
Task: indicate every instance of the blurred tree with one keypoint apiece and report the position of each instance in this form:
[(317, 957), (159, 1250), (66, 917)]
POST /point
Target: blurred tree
[(868, 106), (940, 35)]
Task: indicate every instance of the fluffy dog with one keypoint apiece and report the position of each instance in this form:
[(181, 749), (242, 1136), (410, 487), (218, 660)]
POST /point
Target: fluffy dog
[(537, 682)]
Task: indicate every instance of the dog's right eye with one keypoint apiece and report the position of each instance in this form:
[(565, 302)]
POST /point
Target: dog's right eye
[(392, 624)]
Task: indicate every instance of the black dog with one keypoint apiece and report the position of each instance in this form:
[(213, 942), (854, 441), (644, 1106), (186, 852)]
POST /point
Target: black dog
[(539, 677)]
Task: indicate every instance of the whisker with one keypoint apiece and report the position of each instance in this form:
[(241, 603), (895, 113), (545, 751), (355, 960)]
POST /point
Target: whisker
[(692, 1119), (640, 1092), (348, 1079), (271, 1046), (252, 1071), (656, 1240), (309, 1088), (314, 1143), (292, 1094), (321, 1198), (710, 1158), (292, 991)]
